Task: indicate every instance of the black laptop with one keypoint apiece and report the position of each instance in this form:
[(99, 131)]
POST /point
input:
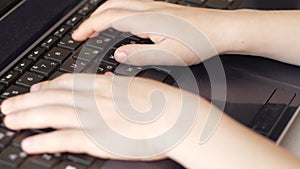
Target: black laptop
[(35, 45)]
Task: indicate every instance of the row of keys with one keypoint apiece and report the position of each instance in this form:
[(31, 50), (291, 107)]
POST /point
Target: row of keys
[(215, 4), (14, 157), (44, 68), (41, 63)]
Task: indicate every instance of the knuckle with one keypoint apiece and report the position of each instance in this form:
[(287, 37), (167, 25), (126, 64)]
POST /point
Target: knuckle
[(63, 78), (111, 11), (61, 81)]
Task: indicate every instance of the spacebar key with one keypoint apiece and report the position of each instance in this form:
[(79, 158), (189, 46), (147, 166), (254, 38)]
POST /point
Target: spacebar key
[(154, 74)]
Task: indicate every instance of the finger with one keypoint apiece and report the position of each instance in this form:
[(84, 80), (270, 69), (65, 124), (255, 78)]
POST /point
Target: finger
[(68, 140), (100, 22), (43, 117), (37, 99), (166, 52), (74, 82), (60, 141)]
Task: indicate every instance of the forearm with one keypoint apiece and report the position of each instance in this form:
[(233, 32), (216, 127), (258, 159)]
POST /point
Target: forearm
[(271, 34), (233, 146)]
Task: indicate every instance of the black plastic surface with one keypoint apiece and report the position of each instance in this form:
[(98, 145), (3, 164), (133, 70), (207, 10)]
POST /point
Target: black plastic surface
[(21, 28)]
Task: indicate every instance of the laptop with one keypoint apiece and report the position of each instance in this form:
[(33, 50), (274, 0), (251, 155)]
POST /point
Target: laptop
[(35, 45)]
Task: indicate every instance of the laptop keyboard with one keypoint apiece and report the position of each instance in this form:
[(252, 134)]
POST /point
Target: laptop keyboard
[(214, 4), (58, 54)]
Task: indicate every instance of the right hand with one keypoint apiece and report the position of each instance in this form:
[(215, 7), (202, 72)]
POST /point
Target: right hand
[(213, 24)]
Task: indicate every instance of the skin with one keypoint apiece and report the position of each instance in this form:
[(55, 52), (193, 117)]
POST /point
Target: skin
[(231, 146)]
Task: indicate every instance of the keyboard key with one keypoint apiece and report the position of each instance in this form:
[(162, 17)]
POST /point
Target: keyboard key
[(20, 136), (13, 91), (173, 1), (2, 87), (6, 137), (28, 165), (97, 164), (36, 53), (86, 9), (44, 160), (95, 69), (73, 65), (107, 67), (69, 165), (99, 42), (126, 35), (55, 75), (63, 30), (29, 79), (154, 74), (81, 159), (128, 70), (95, 2), (87, 54), (49, 42), (110, 58), (128, 41), (23, 65), (57, 54), (171, 81), (74, 20), (196, 2), (12, 157), (218, 4), (9, 77), (44, 67), (111, 32), (68, 43)]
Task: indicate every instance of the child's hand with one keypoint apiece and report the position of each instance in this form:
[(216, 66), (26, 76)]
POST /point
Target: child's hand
[(131, 16), (54, 104)]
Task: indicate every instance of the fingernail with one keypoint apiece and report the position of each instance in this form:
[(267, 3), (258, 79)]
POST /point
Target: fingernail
[(10, 118), (35, 88), (109, 74), (26, 144), (5, 106), (121, 56)]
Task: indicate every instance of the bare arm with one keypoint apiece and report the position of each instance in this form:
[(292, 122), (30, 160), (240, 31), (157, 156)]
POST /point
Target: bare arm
[(232, 146), (271, 34)]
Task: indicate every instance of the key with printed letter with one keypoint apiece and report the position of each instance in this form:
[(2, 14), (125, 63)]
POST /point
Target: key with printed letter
[(29, 79), (68, 43), (13, 91), (44, 67)]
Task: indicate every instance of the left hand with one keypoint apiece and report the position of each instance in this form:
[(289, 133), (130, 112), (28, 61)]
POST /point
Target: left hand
[(51, 105)]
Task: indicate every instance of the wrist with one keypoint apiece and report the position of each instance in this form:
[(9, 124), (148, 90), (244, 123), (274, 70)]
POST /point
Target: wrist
[(221, 27), (241, 31)]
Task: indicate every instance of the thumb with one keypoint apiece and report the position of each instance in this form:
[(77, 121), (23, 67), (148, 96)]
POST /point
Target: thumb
[(149, 54)]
